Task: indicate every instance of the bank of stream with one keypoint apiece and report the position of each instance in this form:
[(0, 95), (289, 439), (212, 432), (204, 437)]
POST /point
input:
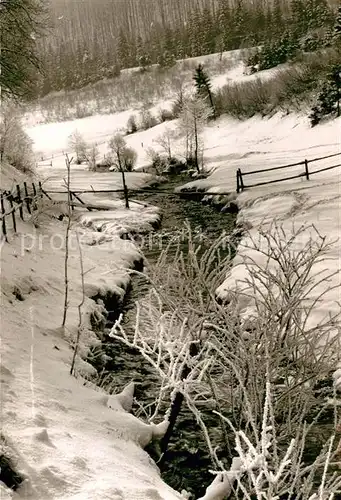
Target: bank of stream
[(188, 462)]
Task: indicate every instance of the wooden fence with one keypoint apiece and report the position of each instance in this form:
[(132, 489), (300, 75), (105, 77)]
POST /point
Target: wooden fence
[(22, 201), (241, 184)]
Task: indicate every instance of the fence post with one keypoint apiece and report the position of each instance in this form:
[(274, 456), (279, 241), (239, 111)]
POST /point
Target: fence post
[(71, 201), (125, 188), (40, 189), (238, 185), (20, 203), (13, 213), (27, 199), (3, 217), (241, 179), (306, 169), (34, 205)]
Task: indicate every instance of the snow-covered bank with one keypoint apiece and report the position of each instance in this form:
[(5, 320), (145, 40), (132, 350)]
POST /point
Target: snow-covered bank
[(61, 435), (261, 143)]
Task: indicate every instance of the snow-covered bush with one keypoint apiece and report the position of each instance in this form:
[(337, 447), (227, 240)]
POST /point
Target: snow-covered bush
[(78, 146), (129, 158), (131, 125), (15, 144), (267, 374), (165, 141), (92, 157), (158, 161), (124, 157), (146, 119), (165, 115)]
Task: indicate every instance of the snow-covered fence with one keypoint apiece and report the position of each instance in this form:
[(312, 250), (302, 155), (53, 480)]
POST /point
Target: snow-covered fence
[(23, 198), (241, 184)]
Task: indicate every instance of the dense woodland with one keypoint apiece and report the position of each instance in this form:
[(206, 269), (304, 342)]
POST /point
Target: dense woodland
[(88, 40)]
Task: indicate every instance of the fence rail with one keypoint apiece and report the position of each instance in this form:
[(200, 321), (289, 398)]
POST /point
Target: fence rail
[(241, 185), (23, 200)]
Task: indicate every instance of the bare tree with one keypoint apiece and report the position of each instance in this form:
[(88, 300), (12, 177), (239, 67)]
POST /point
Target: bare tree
[(194, 115), (118, 146), (165, 141), (92, 156)]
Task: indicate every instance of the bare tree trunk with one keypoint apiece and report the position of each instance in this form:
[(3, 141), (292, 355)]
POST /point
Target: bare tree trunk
[(66, 277), (80, 305), (125, 189), (126, 197), (196, 150)]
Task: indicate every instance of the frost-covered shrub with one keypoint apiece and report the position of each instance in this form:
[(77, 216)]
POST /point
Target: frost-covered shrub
[(131, 125), (147, 120), (15, 144), (165, 115), (258, 359), (92, 156), (129, 158), (158, 161), (124, 157), (78, 146)]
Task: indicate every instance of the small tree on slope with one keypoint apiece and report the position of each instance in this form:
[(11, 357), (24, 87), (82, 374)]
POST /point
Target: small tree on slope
[(125, 159), (193, 117), (79, 146), (203, 85)]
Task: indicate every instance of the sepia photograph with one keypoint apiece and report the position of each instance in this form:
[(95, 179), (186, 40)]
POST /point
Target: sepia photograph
[(170, 244)]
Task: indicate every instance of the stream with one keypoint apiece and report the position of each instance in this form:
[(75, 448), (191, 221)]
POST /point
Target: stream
[(188, 461)]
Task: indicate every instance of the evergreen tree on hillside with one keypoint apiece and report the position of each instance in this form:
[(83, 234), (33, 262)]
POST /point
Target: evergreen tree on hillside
[(224, 23), (203, 85), (258, 22), (194, 35), (207, 32), (238, 24), (123, 50), (299, 18), (142, 57), (277, 17), (318, 13), (328, 101), (166, 59), (337, 26)]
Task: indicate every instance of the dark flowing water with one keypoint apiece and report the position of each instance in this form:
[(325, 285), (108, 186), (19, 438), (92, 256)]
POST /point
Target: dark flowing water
[(188, 461)]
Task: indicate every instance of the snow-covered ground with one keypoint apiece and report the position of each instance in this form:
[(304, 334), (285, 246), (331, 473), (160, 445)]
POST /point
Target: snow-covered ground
[(61, 433), (70, 441), (264, 143)]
